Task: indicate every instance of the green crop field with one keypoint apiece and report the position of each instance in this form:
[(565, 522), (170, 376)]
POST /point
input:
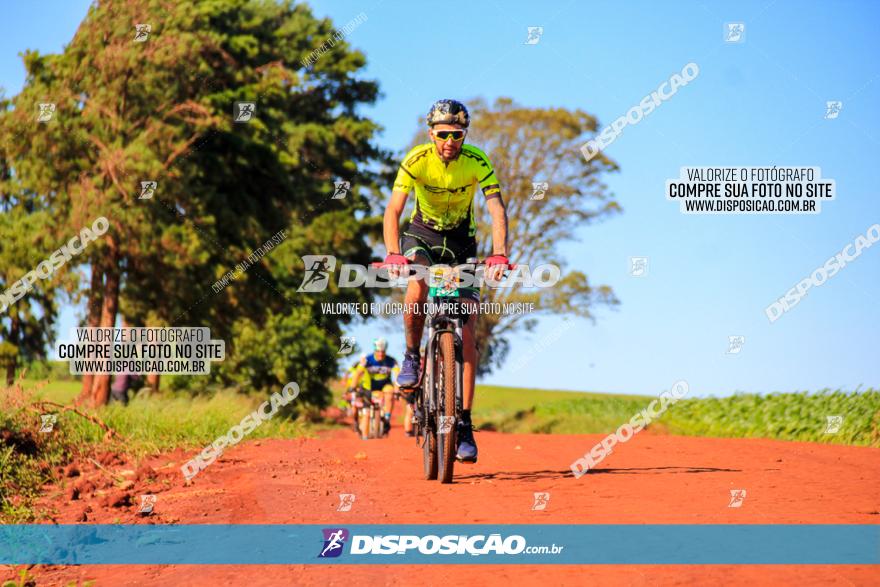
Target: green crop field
[(518, 410), (788, 416), (784, 416)]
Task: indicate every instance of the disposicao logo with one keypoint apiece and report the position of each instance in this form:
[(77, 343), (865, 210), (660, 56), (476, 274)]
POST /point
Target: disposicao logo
[(334, 540)]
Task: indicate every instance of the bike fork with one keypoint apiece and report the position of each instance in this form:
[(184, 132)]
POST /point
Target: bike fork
[(429, 399)]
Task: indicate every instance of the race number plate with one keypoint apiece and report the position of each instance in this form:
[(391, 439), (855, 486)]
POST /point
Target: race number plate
[(443, 282)]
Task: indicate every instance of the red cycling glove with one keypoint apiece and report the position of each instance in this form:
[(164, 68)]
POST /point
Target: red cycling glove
[(497, 260), (396, 259)]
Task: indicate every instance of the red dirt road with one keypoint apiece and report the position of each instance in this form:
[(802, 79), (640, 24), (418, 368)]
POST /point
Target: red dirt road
[(651, 479)]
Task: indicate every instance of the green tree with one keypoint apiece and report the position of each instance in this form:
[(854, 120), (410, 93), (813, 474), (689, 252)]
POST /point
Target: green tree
[(26, 326), (536, 145), (162, 110)]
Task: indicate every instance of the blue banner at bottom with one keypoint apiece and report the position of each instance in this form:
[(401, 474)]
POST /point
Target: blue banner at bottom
[(234, 544)]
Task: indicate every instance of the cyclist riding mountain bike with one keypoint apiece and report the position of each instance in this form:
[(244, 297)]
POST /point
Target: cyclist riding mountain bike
[(351, 390), (444, 174), (380, 367), (365, 380)]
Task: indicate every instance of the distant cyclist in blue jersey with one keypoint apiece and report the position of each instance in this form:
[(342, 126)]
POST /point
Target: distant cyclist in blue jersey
[(380, 367)]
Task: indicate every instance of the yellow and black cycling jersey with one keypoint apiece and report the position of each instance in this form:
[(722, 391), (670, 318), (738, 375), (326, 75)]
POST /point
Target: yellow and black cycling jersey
[(444, 192), (380, 372)]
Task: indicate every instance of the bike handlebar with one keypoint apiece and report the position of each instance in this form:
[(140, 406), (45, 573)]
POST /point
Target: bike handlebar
[(382, 264)]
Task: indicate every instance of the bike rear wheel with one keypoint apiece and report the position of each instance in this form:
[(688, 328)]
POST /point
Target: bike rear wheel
[(429, 453), (444, 381)]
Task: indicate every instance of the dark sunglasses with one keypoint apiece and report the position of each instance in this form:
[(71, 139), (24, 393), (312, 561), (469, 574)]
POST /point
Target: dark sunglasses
[(443, 135)]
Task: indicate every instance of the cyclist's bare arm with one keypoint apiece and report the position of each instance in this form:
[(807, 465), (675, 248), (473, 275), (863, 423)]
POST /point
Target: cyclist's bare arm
[(391, 230), (498, 212)]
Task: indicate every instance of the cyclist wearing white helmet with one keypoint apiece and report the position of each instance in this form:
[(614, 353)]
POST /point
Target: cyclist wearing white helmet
[(380, 367)]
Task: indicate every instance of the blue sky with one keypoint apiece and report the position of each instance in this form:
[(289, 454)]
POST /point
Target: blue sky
[(757, 103)]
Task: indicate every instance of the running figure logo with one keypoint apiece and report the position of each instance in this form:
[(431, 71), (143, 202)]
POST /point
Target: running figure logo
[(534, 33), (346, 346), (334, 540), (147, 503), (734, 32), (346, 500), (735, 344), (142, 32), (46, 112), (541, 501), (243, 111), (737, 497), (833, 424), (832, 109), (539, 188), (148, 188), (446, 423), (341, 190), (638, 266), (318, 270), (47, 422)]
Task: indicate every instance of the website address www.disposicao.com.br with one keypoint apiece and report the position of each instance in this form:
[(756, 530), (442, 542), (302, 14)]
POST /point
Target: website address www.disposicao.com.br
[(451, 544)]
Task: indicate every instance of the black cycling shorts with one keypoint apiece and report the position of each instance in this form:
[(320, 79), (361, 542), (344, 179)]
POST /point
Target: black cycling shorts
[(451, 247)]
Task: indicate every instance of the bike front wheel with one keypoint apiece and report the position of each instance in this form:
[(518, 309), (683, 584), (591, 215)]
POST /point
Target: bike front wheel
[(375, 423), (445, 384)]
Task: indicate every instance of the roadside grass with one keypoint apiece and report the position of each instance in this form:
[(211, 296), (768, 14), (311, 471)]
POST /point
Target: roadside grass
[(148, 425), (29, 458), (167, 420)]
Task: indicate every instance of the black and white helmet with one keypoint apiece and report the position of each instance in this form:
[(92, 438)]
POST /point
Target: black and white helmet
[(448, 112)]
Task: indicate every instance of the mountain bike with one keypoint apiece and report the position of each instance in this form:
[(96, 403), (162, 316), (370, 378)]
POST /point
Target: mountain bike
[(439, 397), (355, 403), (369, 414)]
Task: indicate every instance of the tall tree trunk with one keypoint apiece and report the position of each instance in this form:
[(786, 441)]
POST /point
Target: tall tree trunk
[(153, 381), (101, 383), (93, 319), (13, 339), (10, 372)]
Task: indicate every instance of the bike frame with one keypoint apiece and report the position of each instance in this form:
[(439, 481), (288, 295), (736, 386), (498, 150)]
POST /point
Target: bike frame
[(371, 406)]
